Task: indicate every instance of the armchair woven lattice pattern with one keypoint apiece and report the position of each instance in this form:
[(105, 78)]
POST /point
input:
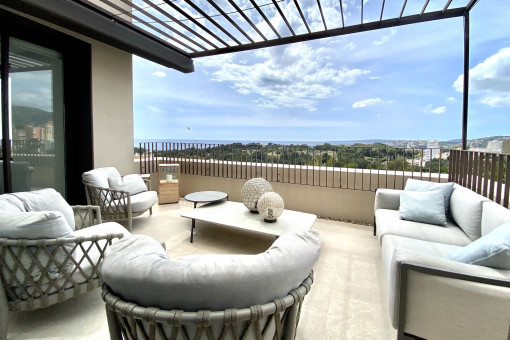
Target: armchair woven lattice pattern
[(276, 320), (37, 273), (119, 197)]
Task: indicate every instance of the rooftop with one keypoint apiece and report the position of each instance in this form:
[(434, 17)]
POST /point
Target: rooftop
[(347, 300)]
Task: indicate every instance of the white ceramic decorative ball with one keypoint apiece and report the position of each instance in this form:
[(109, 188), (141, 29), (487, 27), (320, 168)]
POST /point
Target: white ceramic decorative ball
[(270, 206), (252, 190)]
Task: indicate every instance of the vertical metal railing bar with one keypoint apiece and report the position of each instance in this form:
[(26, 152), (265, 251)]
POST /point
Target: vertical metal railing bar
[(463, 166), (450, 166), (499, 184), (430, 165), (362, 168), (480, 172), (386, 167), (395, 155), (470, 170), (507, 183), (378, 165), (340, 163), (486, 175), (370, 167), (474, 182), (493, 176)]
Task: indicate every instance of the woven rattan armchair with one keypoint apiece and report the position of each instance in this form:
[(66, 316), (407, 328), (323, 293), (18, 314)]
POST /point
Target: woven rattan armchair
[(274, 320), (21, 291), (117, 204)]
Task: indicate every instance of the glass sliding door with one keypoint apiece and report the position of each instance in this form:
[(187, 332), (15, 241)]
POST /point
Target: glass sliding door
[(35, 117)]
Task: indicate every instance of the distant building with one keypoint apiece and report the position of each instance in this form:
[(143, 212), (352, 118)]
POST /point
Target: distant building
[(505, 148), (495, 146), (432, 151)]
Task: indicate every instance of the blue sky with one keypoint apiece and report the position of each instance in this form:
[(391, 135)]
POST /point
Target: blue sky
[(398, 83)]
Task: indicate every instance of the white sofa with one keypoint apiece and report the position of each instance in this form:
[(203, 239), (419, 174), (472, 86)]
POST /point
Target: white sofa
[(430, 293), (49, 251)]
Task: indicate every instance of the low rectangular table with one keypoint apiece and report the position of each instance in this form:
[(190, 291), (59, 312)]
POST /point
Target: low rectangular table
[(236, 215)]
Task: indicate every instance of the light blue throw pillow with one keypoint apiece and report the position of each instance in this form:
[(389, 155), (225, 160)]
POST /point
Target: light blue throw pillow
[(418, 185), (423, 206), (491, 250)]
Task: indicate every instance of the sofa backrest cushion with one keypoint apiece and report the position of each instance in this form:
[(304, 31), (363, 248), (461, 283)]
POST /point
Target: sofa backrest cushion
[(493, 215), (34, 225), (466, 210), (419, 185), (10, 203), (133, 184), (99, 177), (47, 200), (138, 269)]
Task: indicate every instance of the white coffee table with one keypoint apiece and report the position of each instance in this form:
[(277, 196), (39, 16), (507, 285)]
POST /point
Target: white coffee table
[(236, 215)]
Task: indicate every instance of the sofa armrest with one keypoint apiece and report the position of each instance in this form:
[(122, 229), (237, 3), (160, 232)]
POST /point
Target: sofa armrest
[(86, 215), (387, 199), (435, 297)]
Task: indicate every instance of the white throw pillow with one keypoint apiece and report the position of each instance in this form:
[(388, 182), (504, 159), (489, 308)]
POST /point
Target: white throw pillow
[(133, 184)]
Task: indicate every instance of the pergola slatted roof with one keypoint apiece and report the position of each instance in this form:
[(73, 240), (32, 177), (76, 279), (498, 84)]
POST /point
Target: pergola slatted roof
[(198, 28)]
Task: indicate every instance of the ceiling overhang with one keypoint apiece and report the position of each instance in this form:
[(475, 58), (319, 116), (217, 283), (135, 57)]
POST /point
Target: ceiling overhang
[(84, 20), (171, 32)]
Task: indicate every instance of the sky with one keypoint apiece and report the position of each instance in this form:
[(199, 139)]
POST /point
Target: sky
[(397, 83)]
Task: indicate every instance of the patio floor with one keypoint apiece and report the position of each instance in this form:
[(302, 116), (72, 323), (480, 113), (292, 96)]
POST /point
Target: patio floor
[(347, 300)]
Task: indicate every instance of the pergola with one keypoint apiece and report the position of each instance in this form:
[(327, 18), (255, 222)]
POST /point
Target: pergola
[(172, 32)]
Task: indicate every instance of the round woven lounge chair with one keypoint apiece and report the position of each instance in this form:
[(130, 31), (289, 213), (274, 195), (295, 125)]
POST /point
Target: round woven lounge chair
[(274, 320)]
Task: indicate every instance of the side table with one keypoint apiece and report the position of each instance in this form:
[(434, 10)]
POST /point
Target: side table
[(203, 197)]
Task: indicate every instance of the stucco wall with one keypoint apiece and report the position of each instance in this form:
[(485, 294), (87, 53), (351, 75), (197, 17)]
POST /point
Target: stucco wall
[(112, 104)]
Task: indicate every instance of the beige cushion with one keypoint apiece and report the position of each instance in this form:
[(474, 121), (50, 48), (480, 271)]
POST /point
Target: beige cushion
[(10, 203), (389, 223), (47, 200), (466, 211), (133, 184), (143, 201), (493, 216), (99, 177), (138, 269), (396, 250)]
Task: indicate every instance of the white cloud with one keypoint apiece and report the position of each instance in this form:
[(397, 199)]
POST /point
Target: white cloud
[(351, 46), (287, 76), (439, 110), (366, 103), (153, 109), (385, 38), (490, 79), (451, 100), (159, 74)]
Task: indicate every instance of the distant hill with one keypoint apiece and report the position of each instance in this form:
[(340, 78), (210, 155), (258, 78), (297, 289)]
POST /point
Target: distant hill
[(23, 115)]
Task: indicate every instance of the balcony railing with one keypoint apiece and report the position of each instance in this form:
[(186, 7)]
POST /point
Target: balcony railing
[(350, 167), (485, 173)]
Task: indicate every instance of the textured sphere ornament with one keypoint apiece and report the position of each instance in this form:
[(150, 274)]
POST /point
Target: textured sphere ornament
[(270, 206), (252, 190)]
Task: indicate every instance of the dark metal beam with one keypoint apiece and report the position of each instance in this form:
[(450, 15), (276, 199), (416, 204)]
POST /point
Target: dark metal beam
[(245, 17), (322, 15), (412, 19), (97, 25), (265, 19), (229, 19), (465, 93), (283, 17), (6, 145), (302, 16)]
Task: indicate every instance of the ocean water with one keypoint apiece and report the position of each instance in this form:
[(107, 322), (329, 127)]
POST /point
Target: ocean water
[(263, 142)]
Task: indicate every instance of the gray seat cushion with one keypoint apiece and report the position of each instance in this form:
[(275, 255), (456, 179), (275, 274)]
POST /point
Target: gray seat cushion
[(143, 201), (389, 223), (139, 270), (493, 216), (10, 203)]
